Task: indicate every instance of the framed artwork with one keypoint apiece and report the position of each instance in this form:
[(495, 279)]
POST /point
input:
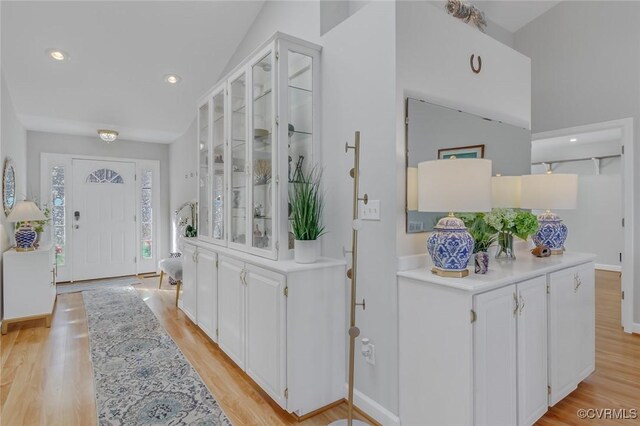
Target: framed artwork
[(474, 151)]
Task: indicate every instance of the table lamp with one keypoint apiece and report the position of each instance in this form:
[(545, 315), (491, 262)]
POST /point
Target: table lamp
[(546, 192), (25, 212), (506, 192), (453, 185)]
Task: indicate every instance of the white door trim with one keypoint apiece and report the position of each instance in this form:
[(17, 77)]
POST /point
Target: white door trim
[(48, 160), (628, 178)]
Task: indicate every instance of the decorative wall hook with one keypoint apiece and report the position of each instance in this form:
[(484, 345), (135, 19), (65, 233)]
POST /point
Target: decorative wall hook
[(473, 67)]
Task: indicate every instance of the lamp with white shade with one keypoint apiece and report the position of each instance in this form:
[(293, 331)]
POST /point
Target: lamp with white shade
[(550, 192), (25, 212), (453, 185)]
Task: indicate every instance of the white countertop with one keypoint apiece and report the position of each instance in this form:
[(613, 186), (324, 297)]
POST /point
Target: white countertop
[(502, 272), (282, 266)]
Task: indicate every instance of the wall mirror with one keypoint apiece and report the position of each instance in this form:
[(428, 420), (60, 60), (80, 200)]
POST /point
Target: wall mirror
[(434, 131), (8, 186)]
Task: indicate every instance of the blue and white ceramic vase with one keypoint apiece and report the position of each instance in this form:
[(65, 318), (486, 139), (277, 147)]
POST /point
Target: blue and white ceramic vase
[(25, 237), (450, 245), (551, 232)]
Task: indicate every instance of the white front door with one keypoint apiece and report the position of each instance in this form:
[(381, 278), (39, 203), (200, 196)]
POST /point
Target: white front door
[(103, 219)]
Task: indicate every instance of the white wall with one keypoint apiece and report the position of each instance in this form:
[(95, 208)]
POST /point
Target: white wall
[(13, 144), (39, 142), (585, 69), (182, 175), (358, 93)]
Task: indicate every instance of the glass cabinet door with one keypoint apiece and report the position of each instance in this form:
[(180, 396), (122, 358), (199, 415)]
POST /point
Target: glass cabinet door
[(217, 168), (238, 135), (300, 112), (203, 171), (262, 152)]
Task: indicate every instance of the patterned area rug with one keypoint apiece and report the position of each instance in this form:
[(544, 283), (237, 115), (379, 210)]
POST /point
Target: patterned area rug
[(96, 284), (141, 376)]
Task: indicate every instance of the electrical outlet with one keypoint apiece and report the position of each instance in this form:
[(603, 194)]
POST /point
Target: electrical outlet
[(370, 211), (371, 358)]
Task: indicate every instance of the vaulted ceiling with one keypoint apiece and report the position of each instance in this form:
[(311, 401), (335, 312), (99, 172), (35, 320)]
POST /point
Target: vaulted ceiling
[(119, 52)]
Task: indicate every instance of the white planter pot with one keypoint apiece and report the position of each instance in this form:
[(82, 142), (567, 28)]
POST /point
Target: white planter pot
[(306, 251)]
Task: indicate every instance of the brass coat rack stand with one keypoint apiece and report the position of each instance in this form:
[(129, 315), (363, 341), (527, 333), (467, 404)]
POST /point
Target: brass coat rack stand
[(352, 274)]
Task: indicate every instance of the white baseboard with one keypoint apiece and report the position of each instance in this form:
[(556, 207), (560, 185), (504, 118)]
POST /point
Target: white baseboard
[(373, 409), (605, 267), (635, 328)]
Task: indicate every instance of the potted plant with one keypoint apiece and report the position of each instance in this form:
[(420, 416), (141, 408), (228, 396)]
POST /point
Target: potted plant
[(484, 236), (39, 225), (307, 203), (508, 223)]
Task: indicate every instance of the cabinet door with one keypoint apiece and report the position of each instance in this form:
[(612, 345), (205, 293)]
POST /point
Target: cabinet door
[(263, 154), (207, 293), (189, 282), (218, 175), (238, 168), (231, 295), (266, 332), (585, 300), (495, 357), (204, 183), (564, 334), (532, 350)]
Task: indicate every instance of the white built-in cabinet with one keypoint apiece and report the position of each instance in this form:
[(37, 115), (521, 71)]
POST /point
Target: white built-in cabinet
[(189, 295), (257, 129), (495, 349), (572, 336), (207, 292), (281, 322), (510, 356)]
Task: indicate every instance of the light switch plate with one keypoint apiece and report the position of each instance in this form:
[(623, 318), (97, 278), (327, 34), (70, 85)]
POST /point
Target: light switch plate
[(370, 211)]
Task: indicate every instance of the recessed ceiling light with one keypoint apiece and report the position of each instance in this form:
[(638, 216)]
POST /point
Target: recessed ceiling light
[(172, 78), (573, 140), (57, 54)]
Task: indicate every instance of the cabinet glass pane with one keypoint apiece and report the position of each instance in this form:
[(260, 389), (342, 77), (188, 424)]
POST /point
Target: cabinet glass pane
[(262, 152), (203, 171), (238, 219), (217, 168), (300, 94)]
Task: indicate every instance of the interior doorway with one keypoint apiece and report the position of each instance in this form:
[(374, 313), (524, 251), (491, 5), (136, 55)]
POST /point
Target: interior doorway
[(601, 155)]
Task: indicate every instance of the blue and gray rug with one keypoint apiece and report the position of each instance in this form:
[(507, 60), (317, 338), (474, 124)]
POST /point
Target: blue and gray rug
[(141, 376)]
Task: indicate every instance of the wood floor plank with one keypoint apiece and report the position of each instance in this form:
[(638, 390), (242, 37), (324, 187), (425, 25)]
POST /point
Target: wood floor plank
[(46, 377)]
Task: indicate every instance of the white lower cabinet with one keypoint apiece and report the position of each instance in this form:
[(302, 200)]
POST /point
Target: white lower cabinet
[(189, 295), (207, 293), (510, 342), (571, 329), (231, 316), (281, 322), (495, 349), (266, 331)]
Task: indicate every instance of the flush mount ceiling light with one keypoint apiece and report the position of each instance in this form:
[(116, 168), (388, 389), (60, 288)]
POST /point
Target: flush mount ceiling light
[(172, 78), (57, 54), (573, 140), (108, 135)]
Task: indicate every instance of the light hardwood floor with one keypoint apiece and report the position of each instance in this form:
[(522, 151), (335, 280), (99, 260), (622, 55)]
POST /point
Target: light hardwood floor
[(46, 376)]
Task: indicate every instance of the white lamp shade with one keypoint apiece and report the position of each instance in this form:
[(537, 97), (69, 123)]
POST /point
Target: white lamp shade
[(454, 185), (550, 191), (505, 191), (412, 189), (25, 211)]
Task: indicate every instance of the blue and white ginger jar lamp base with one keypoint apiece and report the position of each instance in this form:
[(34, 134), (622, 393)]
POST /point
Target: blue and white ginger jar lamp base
[(450, 246), (25, 237), (551, 232)]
